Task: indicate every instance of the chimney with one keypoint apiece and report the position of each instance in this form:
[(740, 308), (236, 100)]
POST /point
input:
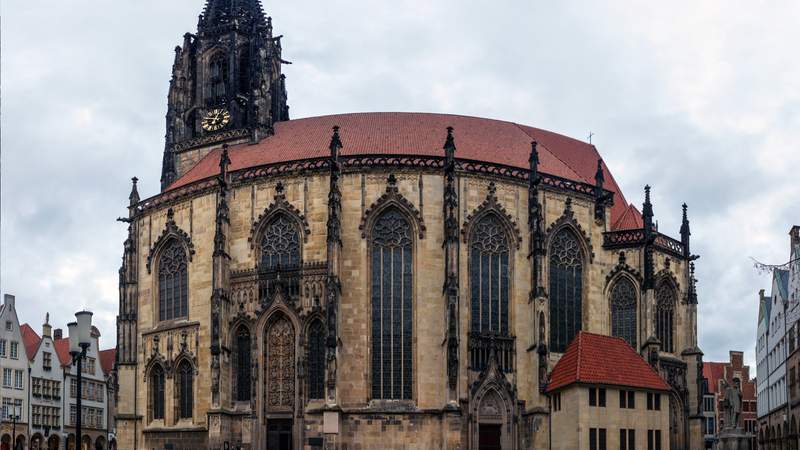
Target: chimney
[(794, 233), (46, 328), (9, 300), (761, 295), (57, 334)]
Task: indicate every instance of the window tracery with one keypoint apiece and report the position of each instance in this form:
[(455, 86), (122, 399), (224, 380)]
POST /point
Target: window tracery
[(623, 310), (665, 316), (280, 365), (243, 364), (173, 282), (185, 390), (280, 245), (316, 360), (218, 77), (391, 306), (489, 276), (157, 392), (566, 289)]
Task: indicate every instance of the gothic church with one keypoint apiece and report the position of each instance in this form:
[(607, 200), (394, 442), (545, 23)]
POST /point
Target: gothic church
[(380, 280)]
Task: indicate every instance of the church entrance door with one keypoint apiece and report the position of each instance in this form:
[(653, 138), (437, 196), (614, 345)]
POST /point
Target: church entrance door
[(279, 434), (489, 436)]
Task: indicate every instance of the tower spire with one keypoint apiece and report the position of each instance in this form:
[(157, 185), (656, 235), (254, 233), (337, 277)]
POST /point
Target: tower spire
[(685, 233), (231, 13)]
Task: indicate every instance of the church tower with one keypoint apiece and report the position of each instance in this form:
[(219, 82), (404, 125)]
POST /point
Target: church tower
[(226, 86)]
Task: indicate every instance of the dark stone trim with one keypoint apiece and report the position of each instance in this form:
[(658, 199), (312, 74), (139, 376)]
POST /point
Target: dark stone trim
[(353, 163)]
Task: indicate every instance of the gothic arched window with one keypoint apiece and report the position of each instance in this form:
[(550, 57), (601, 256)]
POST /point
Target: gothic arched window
[(665, 316), (218, 78), (173, 282), (566, 289), (623, 310), (391, 306), (489, 277), (243, 365), (185, 374), (280, 245), (157, 392), (316, 360), (244, 70)]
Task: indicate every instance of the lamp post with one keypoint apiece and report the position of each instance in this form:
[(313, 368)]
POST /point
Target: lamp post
[(15, 413), (79, 341)]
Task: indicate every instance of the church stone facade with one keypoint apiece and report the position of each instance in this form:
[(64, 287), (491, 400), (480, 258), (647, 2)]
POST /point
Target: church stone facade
[(375, 280)]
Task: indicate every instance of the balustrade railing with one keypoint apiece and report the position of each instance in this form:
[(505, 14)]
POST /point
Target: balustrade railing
[(483, 345)]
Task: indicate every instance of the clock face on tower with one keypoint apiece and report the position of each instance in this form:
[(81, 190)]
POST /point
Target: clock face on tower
[(216, 119)]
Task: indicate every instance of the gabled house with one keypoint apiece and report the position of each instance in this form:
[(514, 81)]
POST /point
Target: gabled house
[(46, 385), (13, 374)]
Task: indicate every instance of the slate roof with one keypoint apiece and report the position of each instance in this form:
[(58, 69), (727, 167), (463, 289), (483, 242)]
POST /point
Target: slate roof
[(597, 359), (420, 134), (782, 280)]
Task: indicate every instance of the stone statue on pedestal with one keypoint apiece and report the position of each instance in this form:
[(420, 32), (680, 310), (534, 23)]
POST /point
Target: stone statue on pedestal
[(731, 436)]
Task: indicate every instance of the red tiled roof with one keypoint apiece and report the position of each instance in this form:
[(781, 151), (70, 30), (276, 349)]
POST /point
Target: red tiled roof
[(62, 349), (631, 219), (107, 358), (31, 340), (713, 372), (597, 359), (423, 134)]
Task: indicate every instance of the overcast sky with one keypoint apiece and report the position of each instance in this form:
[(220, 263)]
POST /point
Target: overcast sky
[(699, 99)]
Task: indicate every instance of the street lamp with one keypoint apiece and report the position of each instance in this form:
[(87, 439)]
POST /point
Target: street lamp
[(80, 333), (15, 414)]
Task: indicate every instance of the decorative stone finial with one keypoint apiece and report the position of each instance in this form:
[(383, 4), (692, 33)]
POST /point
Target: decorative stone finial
[(336, 143)]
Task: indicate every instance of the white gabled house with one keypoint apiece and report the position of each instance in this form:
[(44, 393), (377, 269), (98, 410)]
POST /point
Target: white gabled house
[(46, 386), (13, 377)]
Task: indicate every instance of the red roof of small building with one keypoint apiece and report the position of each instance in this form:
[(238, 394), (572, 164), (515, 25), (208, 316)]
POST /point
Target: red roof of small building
[(631, 219), (423, 134), (107, 358), (713, 372), (31, 340), (597, 359)]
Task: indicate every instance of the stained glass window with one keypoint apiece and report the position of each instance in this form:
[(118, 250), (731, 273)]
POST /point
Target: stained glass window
[(316, 360), (489, 277), (243, 366), (157, 392), (280, 245), (280, 365), (391, 306), (185, 392), (623, 310), (566, 289), (173, 282), (665, 313)]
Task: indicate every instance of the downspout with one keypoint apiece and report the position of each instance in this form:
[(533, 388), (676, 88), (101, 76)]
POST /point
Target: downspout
[(29, 404)]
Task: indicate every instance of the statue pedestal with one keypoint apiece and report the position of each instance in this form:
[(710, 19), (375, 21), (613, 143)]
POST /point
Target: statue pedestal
[(733, 439)]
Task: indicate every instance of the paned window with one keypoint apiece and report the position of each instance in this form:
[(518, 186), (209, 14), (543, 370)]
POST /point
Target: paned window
[(157, 392), (173, 282), (489, 277), (47, 360), (623, 311), (566, 289), (665, 316), (243, 366), (2, 348), (316, 360), (186, 396), (627, 439), (280, 245), (18, 379), (14, 350), (7, 377), (391, 254)]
